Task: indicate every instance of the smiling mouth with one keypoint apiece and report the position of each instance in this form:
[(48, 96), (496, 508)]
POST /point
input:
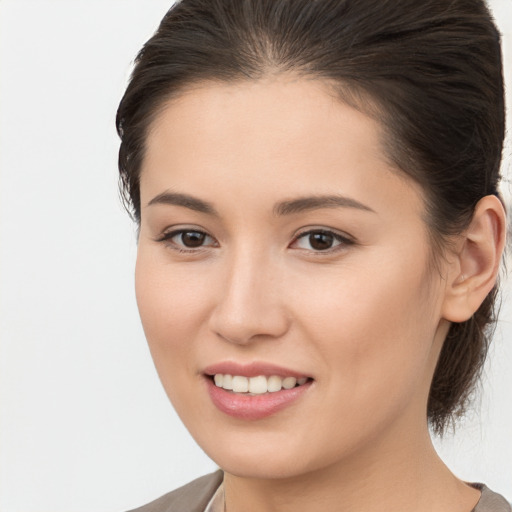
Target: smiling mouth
[(257, 385)]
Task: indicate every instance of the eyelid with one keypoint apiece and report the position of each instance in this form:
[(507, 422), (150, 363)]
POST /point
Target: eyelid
[(344, 239), (170, 232), (166, 236)]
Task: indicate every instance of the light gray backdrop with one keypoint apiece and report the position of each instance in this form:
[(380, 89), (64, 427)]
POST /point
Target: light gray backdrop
[(84, 423)]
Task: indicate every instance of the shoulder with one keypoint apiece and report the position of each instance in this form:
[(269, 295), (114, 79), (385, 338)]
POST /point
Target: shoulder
[(192, 497), (491, 501)]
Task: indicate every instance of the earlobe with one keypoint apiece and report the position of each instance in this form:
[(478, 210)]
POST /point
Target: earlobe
[(474, 270)]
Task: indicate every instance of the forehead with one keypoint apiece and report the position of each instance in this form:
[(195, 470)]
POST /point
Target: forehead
[(282, 136), (282, 108)]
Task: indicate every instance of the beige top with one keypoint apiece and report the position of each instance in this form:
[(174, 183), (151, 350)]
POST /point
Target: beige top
[(206, 494)]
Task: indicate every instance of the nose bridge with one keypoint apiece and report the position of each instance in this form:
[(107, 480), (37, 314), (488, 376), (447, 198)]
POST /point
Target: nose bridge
[(249, 302)]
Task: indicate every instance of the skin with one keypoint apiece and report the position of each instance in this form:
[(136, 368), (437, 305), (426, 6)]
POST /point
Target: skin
[(365, 319)]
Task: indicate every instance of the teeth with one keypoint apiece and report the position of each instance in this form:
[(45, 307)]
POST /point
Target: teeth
[(274, 383), (240, 384), (256, 385), (227, 382), (289, 382)]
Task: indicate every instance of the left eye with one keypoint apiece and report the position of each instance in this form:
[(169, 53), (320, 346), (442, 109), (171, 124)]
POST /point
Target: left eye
[(320, 240)]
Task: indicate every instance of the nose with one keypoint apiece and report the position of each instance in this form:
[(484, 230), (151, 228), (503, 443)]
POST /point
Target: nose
[(249, 304)]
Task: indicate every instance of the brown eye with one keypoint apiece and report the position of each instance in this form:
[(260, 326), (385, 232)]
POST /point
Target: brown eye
[(321, 241), (192, 238), (318, 240), (187, 240)]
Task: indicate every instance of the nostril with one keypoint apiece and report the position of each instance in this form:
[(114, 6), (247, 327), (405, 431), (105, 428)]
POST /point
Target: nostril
[(242, 318)]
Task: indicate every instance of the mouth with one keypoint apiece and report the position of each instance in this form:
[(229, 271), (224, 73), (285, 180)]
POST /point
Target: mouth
[(258, 385), (254, 391)]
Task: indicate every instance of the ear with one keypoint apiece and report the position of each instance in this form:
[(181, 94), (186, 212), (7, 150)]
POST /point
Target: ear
[(474, 269)]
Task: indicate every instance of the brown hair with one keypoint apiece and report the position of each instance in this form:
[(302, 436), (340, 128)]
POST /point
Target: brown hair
[(429, 71)]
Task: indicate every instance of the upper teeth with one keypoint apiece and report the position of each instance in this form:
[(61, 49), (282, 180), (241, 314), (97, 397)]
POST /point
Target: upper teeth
[(256, 385)]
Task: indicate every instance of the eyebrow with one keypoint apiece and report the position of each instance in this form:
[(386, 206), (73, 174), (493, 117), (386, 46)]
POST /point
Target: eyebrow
[(290, 207), (185, 200), (303, 204)]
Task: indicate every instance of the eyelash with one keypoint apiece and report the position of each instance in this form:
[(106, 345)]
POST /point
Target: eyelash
[(168, 236), (343, 240)]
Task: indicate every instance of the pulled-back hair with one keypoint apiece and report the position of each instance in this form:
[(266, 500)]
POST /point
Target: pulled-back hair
[(428, 71)]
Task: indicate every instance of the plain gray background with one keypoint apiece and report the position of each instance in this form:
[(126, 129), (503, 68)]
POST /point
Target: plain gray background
[(84, 423)]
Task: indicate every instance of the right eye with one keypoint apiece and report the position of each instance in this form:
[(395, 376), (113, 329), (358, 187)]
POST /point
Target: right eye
[(187, 240)]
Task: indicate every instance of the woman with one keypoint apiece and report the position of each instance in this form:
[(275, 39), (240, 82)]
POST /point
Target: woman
[(316, 186)]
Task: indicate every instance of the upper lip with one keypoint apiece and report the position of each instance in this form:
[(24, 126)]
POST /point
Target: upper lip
[(253, 369)]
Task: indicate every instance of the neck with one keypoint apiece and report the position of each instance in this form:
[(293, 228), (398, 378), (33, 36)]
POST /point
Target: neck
[(403, 476)]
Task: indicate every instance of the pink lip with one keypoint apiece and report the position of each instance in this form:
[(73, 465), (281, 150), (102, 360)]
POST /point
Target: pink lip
[(251, 370), (253, 407)]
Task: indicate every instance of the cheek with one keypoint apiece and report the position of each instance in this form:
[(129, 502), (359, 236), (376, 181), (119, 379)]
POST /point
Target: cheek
[(376, 326), (374, 337), (171, 304)]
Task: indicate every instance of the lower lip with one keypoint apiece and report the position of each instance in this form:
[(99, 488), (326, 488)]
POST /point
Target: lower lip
[(254, 407)]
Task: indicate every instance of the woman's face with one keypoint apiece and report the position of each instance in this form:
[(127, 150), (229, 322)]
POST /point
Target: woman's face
[(277, 242)]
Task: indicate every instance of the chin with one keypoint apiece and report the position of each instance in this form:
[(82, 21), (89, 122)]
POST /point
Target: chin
[(266, 467), (260, 455), (266, 455)]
